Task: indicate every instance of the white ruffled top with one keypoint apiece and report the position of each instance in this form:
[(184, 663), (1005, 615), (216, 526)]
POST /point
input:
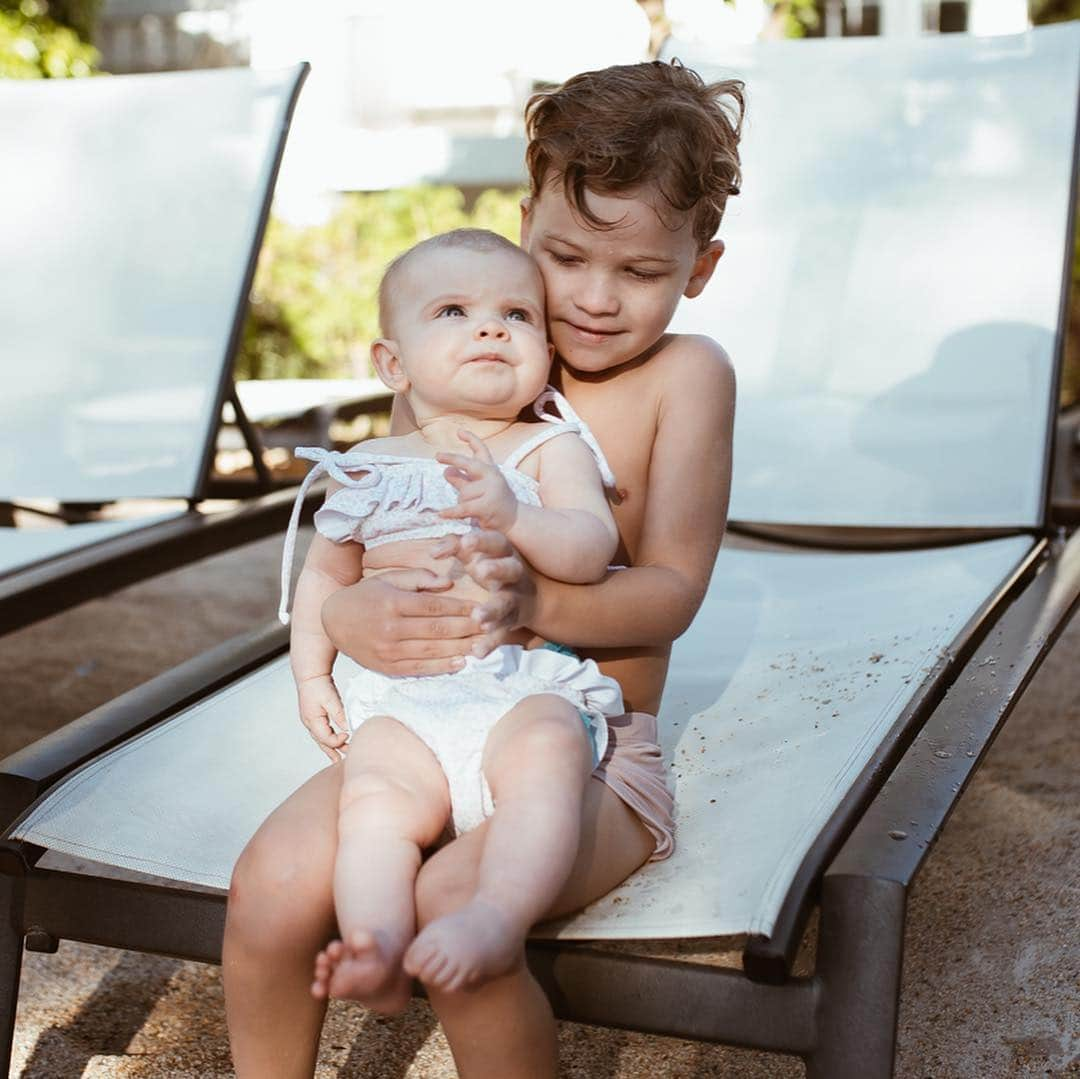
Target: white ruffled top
[(387, 498)]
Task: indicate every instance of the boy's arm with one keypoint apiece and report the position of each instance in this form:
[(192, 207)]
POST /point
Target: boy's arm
[(572, 537), (654, 601)]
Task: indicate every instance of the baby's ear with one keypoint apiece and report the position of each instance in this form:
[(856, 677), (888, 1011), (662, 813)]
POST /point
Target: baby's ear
[(703, 268), (385, 360)]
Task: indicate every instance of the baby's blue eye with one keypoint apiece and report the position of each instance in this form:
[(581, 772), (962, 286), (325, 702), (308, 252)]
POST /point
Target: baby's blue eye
[(518, 314), (451, 310)]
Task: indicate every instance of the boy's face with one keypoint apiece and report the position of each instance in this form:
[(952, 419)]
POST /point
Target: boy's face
[(611, 292), (468, 334)]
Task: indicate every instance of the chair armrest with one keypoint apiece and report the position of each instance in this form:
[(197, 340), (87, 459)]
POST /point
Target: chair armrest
[(935, 770), (29, 772)]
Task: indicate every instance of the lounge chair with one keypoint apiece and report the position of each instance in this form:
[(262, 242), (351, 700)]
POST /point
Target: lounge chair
[(894, 297), (135, 211)]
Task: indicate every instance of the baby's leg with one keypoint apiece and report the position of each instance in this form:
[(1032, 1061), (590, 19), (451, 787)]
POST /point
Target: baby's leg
[(394, 803), (537, 761)]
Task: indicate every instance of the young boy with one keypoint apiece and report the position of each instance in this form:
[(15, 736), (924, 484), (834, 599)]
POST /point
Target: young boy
[(630, 169)]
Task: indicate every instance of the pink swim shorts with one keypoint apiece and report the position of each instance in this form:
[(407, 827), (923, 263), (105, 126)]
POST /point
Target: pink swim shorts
[(632, 766)]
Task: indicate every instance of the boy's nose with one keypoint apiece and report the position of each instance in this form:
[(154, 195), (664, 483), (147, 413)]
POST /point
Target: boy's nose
[(492, 327), (596, 297)]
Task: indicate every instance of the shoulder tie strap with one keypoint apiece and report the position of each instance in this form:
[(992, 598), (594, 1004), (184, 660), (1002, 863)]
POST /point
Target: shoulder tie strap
[(567, 416), (546, 433), (329, 463)]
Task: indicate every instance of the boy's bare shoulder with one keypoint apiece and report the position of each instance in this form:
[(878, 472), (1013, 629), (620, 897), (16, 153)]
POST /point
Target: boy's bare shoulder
[(696, 364), (696, 350)]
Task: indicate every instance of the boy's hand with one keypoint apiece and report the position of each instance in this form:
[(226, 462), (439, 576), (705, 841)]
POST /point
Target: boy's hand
[(483, 493), (398, 623), (321, 711)]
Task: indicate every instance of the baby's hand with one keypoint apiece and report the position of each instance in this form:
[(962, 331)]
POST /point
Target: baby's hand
[(483, 493), (321, 711), (490, 559)]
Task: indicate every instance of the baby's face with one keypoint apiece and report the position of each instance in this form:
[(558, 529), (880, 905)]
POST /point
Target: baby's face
[(470, 334)]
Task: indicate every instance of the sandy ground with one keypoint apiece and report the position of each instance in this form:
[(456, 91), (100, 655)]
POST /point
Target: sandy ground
[(992, 964)]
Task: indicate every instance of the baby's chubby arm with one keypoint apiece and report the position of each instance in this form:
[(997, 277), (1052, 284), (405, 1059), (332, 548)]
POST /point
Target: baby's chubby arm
[(328, 567), (571, 538)]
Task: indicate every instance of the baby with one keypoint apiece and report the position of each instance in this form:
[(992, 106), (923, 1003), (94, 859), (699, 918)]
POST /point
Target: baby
[(512, 737)]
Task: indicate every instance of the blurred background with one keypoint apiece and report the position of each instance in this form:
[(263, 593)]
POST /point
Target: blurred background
[(411, 121)]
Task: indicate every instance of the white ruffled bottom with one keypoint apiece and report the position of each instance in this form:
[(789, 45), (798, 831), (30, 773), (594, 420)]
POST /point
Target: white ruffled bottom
[(452, 714)]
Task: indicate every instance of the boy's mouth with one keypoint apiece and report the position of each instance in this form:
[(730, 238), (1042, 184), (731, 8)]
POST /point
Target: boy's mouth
[(487, 357), (591, 333)]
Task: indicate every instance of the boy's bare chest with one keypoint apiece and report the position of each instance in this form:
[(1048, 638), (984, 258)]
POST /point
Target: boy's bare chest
[(624, 424)]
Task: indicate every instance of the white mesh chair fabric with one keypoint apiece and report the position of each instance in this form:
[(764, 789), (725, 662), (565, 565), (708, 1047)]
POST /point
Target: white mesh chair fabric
[(891, 289), (133, 206), (778, 695)]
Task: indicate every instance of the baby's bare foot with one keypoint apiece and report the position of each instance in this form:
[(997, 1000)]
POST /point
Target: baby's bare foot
[(364, 967), (466, 948)]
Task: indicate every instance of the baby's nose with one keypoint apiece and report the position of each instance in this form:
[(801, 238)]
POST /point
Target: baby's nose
[(492, 327)]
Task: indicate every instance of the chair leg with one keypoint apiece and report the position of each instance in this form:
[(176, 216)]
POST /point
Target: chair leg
[(11, 950), (859, 961)]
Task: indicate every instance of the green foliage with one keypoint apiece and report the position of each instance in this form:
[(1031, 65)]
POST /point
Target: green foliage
[(313, 306), (797, 16), (35, 46), (77, 15), (1047, 11)]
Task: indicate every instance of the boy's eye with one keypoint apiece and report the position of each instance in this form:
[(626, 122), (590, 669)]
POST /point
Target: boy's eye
[(644, 275), (564, 260), (518, 314), (451, 310)]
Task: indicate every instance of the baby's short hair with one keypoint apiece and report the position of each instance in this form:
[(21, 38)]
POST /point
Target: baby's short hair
[(469, 239), (633, 125)]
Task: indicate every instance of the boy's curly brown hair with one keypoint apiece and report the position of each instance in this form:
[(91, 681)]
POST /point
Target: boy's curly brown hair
[(635, 125)]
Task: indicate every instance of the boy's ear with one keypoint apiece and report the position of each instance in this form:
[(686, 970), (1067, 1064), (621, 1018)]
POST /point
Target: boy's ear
[(703, 268), (384, 358), (526, 220)]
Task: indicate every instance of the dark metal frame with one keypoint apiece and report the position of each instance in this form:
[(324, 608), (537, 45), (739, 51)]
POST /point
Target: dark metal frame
[(841, 1018), (56, 584), (225, 382)]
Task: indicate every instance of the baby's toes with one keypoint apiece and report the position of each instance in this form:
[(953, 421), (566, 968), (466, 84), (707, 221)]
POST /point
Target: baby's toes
[(423, 960), (442, 970), (320, 982), (452, 978)]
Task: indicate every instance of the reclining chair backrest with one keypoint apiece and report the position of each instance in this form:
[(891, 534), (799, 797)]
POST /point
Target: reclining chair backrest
[(891, 291), (134, 211)]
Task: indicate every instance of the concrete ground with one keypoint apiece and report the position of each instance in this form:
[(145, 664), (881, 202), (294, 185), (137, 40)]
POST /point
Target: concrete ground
[(992, 965)]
